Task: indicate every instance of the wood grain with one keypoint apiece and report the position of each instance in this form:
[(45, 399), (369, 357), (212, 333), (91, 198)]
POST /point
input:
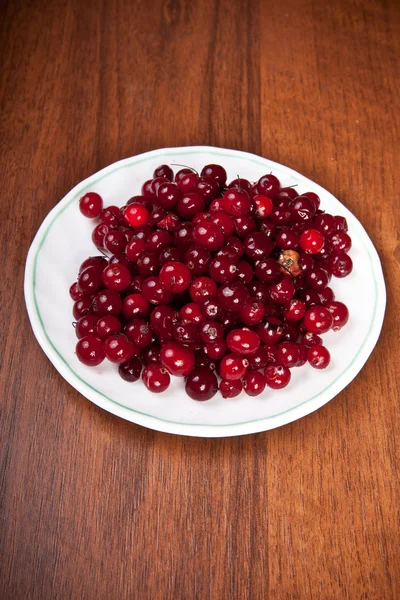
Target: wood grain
[(93, 507)]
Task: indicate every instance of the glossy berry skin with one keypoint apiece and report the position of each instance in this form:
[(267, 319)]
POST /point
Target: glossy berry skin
[(318, 320), (252, 312), (303, 209), (258, 246), (148, 264), (211, 332), (201, 384), (150, 354), (236, 202), (244, 225), (164, 171), (118, 348), (224, 221), (230, 389), (139, 332), (90, 281), (295, 310), (186, 333), (110, 216), (268, 185), (177, 359), (276, 376), (283, 291), (153, 291), (268, 270), (243, 341), (341, 223), (316, 279), (208, 235), (325, 223), (326, 296), (310, 339), (188, 182), (215, 172), (287, 239), (211, 309), (287, 354), (189, 205), (222, 269), (233, 366), (259, 359), (203, 288), (311, 241), (314, 197), (339, 264), (90, 350), (98, 234), (91, 205), (262, 207), (175, 277), (135, 248), (241, 184), (136, 215), (340, 314), (86, 325), (339, 242), (116, 277), (318, 357), (162, 319), (216, 351), (253, 383), (94, 261), (270, 333), (207, 187), (233, 296), (244, 272), (130, 370), (197, 260), (191, 313), (114, 241), (156, 378), (107, 325), (135, 305), (107, 302)]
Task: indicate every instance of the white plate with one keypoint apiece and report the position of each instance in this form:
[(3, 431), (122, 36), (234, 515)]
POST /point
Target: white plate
[(63, 242)]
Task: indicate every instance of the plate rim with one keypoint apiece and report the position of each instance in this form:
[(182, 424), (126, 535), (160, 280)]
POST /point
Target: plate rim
[(201, 430)]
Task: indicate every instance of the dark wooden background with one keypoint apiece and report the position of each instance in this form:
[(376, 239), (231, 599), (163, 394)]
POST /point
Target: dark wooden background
[(93, 507)]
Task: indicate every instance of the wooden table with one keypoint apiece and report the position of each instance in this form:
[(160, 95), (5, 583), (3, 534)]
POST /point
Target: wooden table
[(93, 507)]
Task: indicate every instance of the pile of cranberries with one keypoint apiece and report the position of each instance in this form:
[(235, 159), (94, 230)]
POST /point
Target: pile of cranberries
[(198, 277)]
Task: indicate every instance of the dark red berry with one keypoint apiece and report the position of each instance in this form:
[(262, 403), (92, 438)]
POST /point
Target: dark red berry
[(91, 205), (90, 350)]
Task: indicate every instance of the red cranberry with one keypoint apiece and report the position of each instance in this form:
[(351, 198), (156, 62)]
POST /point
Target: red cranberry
[(90, 350), (295, 310), (233, 366), (211, 332), (139, 332), (269, 333), (316, 279), (201, 384), (162, 319), (183, 237), (156, 378), (164, 171), (150, 354), (216, 351), (215, 172), (287, 354), (148, 264), (86, 325), (253, 383), (186, 332), (203, 288), (107, 302), (236, 202), (222, 269), (116, 277), (341, 223), (318, 357), (197, 260), (90, 280), (310, 339), (233, 296), (190, 205), (177, 359), (130, 370), (340, 314), (211, 309), (154, 292), (118, 348), (268, 185), (208, 235), (244, 272), (108, 325), (340, 264), (287, 239), (91, 205), (314, 197), (187, 181), (324, 223), (259, 359), (258, 246), (175, 277), (318, 319), (136, 215), (244, 225), (252, 312), (110, 216), (135, 305), (303, 209), (168, 254), (326, 296), (312, 241), (230, 389), (268, 271), (276, 376), (191, 313), (207, 187), (283, 291), (243, 341), (263, 207), (224, 221), (339, 241)]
